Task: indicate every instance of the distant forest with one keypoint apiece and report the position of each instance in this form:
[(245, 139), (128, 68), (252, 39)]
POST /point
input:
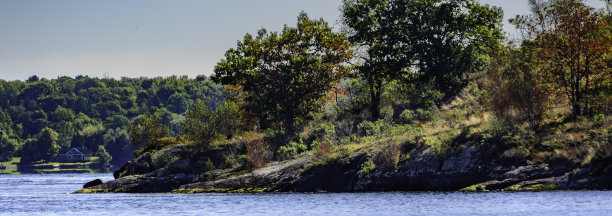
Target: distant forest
[(86, 112)]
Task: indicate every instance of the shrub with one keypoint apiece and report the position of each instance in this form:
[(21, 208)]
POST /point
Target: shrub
[(230, 119), (369, 128), (328, 133), (431, 97), (342, 157), (367, 167), (209, 165), (407, 116), (500, 133), (229, 160), (202, 125), (424, 115), (439, 147), (517, 153), (258, 153), (388, 157), (387, 114), (515, 91), (292, 150), (147, 134), (161, 158), (599, 119), (158, 144), (103, 156), (323, 150)]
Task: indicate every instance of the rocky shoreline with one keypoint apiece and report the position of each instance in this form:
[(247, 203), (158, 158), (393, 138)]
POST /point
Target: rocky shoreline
[(468, 169)]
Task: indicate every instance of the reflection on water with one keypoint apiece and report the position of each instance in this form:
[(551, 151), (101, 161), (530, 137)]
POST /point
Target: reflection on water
[(35, 194)]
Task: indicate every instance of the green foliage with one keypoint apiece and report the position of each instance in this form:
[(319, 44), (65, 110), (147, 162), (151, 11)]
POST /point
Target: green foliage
[(230, 161), (230, 118), (103, 156), (499, 133), (161, 158), (439, 146), (8, 147), (520, 153), (428, 42), (83, 110), (42, 147), (343, 156), (47, 141), (209, 165), (430, 98), (424, 114), (178, 103), (407, 116), (369, 128), (148, 134), (367, 166), (599, 119), (202, 125), (292, 150), (284, 74), (117, 142), (9, 140)]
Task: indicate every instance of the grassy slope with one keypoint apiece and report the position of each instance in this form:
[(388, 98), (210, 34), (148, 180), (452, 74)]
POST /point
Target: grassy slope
[(465, 121)]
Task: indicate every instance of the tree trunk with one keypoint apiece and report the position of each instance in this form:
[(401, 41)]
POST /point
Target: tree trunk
[(289, 124), (374, 98)]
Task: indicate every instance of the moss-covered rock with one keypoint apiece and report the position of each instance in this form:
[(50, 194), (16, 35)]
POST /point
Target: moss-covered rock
[(474, 188)]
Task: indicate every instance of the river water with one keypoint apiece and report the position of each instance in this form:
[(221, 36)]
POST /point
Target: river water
[(50, 194)]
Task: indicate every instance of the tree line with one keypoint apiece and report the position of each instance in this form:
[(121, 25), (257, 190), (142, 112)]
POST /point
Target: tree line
[(39, 117)]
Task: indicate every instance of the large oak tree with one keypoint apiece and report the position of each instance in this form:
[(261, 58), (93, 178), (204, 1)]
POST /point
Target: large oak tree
[(427, 42), (284, 74)]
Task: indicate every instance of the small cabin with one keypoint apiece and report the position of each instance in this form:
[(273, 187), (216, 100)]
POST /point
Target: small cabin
[(74, 155)]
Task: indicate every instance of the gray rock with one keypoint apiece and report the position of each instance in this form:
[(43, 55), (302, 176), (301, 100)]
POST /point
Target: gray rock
[(183, 165), (140, 165), (92, 183)]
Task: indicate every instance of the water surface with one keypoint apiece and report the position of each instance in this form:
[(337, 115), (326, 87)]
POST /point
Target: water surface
[(36, 194)]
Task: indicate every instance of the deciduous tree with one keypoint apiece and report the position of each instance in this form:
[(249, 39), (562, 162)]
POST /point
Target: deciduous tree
[(427, 42), (147, 133), (573, 50), (283, 74)]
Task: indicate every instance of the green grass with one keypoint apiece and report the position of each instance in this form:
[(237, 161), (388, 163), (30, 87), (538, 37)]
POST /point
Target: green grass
[(11, 166), (92, 161), (49, 171), (13, 161)]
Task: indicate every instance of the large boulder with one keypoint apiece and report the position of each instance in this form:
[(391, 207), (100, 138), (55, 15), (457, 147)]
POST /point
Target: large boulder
[(275, 176), (142, 184), (140, 165), (92, 183)]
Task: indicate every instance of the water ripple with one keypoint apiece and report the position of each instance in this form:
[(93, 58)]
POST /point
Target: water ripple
[(50, 195)]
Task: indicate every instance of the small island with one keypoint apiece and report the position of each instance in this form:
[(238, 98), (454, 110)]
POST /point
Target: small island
[(433, 99), (405, 96)]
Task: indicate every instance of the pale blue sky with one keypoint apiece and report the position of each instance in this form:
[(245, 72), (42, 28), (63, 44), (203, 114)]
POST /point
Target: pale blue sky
[(136, 38)]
